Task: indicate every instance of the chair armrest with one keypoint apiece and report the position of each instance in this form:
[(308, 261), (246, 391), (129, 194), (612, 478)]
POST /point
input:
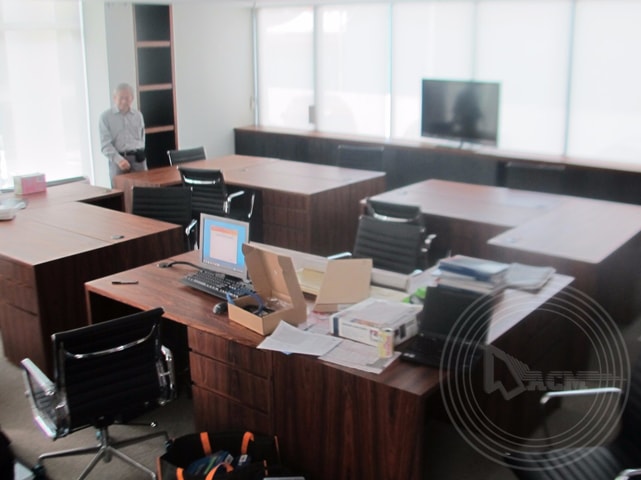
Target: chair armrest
[(630, 472), (191, 226), (580, 392), (37, 377), (572, 393), (166, 376), (340, 255), (239, 193), (48, 406)]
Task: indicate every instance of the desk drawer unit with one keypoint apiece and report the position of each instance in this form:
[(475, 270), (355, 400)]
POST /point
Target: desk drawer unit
[(17, 284), (232, 385)]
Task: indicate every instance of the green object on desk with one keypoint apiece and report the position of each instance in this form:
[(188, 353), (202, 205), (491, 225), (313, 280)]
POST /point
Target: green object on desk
[(418, 297)]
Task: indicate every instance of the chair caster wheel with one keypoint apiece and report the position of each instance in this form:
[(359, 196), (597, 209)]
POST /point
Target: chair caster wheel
[(38, 471)]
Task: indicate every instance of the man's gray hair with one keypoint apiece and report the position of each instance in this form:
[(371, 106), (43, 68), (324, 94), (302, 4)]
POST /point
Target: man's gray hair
[(121, 87)]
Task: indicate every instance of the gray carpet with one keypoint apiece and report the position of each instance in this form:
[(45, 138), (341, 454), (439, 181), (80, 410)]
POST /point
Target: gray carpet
[(449, 456)]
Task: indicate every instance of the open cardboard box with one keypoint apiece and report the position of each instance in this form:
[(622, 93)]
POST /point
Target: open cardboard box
[(274, 279)]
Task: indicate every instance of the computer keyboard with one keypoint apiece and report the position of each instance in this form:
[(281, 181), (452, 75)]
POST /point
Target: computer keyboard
[(218, 284)]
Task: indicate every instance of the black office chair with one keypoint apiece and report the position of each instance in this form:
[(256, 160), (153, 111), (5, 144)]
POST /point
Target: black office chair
[(394, 212), (209, 194), (105, 373), (618, 459), (398, 247), (361, 157), (171, 204), (434, 250), (186, 155)]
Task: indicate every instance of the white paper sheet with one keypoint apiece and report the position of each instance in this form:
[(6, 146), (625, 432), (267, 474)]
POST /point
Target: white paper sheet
[(289, 339)]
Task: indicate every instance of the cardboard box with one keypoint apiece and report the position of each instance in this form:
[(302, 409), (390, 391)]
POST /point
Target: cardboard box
[(365, 321), (32, 183), (274, 279), (345, 282)]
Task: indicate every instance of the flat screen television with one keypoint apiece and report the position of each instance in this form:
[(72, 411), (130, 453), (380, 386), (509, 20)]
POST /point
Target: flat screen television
[(467, 111)]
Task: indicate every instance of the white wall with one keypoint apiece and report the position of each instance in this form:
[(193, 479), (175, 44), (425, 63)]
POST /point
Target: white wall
[(213, 71), (110, 57), (97, 86)]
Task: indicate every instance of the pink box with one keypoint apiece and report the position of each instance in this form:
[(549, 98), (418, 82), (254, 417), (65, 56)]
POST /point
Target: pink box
[(32, 183)]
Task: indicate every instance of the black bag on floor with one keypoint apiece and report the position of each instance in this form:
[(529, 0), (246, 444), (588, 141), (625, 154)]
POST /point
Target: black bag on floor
[(220, 456)]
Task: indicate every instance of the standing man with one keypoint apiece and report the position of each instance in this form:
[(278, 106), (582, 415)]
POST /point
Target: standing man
[(122, 134)]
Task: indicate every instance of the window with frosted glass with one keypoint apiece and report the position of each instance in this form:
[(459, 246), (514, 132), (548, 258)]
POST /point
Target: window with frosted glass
[(525, 46), (285, 66), (353, 69), (605, 107), (430, 40), (42, 91)]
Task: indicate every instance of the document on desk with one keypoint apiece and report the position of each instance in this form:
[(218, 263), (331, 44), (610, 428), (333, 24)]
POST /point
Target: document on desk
[(359, 356), (287, 338)]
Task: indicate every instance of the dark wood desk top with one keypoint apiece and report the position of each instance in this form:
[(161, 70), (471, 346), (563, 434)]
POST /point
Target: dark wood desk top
[(34, 243), (578, 229), (258, 173), (476, 203), (80, 191), (571, 228), (38, 235), (162, 287), (169, 175)]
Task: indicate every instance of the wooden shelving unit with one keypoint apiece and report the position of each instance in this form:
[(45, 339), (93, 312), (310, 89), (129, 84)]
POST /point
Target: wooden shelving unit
[(155, 80)]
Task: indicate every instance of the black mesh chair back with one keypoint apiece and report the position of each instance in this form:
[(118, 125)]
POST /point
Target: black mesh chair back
[(186, 155), (171, 204), (398, 247), (361, 157), (208, 190), (394, 212), (110, 370)]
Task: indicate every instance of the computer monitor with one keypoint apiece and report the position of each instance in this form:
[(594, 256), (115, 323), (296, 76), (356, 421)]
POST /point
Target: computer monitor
[(221, 244)]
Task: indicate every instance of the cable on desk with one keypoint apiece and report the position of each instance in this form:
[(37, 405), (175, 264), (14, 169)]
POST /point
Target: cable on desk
[(177, 262)]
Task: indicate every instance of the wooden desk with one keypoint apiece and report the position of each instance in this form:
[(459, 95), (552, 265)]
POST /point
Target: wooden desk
[(332, 422), (80, 191), (301, 206), (466, 216), (595, 241), (46, 255)]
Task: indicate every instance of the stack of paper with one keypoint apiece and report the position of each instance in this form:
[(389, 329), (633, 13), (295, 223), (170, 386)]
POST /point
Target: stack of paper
[(471, 273), (485, 276)]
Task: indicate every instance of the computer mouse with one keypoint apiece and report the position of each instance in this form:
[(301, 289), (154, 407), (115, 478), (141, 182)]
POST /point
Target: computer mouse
[(220, 308)]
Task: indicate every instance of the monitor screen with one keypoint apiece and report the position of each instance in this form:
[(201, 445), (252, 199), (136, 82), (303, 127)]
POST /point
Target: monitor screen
[(467, 111), (221, 244)]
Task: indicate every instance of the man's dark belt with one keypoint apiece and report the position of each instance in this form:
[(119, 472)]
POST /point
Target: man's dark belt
[(139, 155)]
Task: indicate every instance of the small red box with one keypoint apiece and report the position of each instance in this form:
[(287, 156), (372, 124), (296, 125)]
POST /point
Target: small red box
[(32, 183)]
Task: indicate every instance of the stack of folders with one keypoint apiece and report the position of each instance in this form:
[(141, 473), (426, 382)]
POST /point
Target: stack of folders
[(471, 273)]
